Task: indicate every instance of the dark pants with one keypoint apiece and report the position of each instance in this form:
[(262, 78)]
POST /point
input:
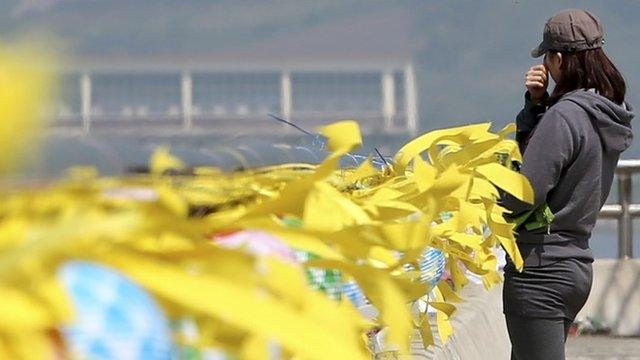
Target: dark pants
[(537, 338), (538, 303)]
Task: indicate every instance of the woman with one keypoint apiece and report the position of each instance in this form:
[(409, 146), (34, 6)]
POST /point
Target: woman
[(571, 141)]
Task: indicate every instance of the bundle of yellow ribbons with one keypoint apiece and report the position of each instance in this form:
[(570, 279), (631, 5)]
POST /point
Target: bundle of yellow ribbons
[(367, 222)]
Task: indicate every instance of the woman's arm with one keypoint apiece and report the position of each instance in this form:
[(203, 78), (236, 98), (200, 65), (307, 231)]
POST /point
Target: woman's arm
[(536, 82), (528, 119), (551, 148)]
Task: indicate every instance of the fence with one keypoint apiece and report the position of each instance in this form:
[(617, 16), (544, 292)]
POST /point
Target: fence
[(221, 97), (624, 211)]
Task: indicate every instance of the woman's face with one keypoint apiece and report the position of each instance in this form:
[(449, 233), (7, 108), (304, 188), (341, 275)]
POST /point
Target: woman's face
[(552, 61)]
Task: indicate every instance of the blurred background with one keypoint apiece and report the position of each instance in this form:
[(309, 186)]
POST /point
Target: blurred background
[(202, 76)]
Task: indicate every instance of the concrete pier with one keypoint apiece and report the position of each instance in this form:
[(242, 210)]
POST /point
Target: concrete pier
[(479, 333)]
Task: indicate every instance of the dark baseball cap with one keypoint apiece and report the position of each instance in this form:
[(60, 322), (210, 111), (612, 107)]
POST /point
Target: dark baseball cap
[(570, 30)]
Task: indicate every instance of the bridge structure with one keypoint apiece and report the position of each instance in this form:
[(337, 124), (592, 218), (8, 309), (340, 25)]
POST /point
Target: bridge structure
[(209, 95)]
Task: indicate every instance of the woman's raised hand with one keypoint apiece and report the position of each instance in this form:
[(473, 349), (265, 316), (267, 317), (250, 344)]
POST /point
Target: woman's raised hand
[(536, 82)]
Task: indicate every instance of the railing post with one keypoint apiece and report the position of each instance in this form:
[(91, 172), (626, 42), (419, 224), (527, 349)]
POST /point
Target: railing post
[(388, 99), (625, 227), (85, 96), (411, 99), (187, 100), (286, 97)]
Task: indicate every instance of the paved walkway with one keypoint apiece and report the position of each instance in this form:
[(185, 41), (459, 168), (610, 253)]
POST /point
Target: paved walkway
[(480, 334), (603, 348)]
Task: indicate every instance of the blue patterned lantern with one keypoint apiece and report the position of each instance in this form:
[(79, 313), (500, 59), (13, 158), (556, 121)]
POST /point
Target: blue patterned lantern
[(115, 318)]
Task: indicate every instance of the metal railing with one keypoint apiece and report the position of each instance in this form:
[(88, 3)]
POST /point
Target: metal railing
[(624, 212), (196, 98)]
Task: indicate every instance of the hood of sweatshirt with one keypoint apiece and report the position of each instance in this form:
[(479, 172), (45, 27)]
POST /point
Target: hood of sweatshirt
[(611, 120)]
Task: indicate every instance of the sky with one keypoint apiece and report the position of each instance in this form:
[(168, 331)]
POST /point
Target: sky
[(470, 56)]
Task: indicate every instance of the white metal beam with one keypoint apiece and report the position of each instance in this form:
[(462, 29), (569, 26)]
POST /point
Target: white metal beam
[(388, 99), (411, 99), (286, 97), (85, 94), (186, 91)]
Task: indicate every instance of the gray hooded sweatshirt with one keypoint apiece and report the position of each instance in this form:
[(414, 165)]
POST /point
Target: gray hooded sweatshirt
[(570, 158)]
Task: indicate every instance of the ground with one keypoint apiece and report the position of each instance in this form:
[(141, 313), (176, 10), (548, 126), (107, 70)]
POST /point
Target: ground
[(603, 348)]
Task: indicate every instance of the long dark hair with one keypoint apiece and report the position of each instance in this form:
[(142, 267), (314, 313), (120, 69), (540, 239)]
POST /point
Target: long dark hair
[(589, 69)]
